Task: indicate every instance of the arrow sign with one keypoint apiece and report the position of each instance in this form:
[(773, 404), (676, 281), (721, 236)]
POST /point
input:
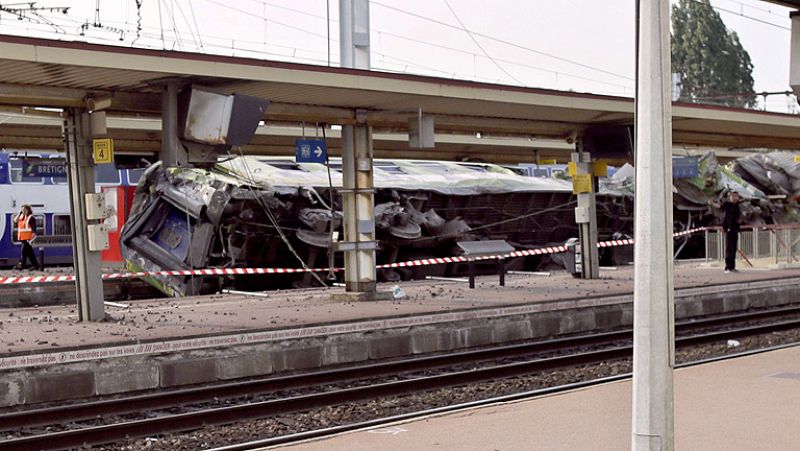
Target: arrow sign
[(311, 151)]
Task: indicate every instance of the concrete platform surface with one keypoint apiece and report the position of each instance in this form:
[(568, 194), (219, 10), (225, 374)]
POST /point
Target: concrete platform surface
[(38, 329), (749, 404)]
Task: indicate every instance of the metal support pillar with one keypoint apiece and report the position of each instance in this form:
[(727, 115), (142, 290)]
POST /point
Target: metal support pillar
[(653, 315), (172, 153), (358, 193), (87, 264), (586, 218)]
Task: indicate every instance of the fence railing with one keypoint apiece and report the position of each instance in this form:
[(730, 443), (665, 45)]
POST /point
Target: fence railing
[(779, 243)]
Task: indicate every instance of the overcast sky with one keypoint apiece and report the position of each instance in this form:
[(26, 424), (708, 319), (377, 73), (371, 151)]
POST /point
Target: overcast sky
[(581, 45)]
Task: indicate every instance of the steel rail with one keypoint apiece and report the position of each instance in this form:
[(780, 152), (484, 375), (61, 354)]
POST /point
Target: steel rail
[(319, 433), (174, 398), (185, 396), (185, 421)]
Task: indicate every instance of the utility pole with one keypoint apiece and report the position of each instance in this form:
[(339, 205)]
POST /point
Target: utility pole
[(653, 314), (358, 191)]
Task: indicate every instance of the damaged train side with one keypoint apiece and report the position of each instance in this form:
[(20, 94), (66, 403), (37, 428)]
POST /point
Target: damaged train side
[(256, 212)]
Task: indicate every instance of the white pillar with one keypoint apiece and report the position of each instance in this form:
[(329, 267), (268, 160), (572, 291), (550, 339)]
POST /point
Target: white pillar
[(653, 345), (794, 58), (357, 194)]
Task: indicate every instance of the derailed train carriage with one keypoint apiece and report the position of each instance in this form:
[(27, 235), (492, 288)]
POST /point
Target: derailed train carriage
[(256, 212)]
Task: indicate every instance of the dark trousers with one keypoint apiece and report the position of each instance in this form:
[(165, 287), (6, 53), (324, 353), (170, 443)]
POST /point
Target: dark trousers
[(731, 247), (28, 254)]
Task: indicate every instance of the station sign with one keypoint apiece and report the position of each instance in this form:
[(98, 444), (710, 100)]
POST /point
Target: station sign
[(311, 151), (40, 167), (685, 167)]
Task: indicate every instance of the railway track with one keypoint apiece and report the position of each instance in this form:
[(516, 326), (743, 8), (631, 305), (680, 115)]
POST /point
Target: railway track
[(612, 346)]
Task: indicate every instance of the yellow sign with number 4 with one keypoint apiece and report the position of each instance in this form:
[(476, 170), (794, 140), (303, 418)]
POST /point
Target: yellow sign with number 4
[(103, 150)]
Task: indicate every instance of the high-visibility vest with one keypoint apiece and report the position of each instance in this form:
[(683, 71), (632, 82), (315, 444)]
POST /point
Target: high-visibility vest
[(24, 232)]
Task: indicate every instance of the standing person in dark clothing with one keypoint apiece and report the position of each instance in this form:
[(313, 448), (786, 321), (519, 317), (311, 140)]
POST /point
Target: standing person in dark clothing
[(730, 224), (26, 232)]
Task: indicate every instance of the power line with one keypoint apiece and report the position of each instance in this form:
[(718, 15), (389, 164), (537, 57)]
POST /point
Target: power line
[(432, 44), (743, 5), (194, 19), (189, 25), (174, 25), (479, 44), (745, 16), (232, 8), (502, 41)]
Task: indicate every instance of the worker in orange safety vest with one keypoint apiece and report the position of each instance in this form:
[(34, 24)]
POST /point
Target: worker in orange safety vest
[(26, 232)]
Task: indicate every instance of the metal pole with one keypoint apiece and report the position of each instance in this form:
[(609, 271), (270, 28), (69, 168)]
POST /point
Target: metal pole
[(172, 154), (587, 221), (653, 318), (87, 264), (358, 192)]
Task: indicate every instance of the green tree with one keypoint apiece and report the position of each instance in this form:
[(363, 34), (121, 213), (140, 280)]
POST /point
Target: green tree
[(713, 65)]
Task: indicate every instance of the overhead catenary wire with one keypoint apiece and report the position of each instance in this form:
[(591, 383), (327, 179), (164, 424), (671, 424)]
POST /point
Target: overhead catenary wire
[(477, 43), (189, 25), (745, 16), (503, 41), (402, 68), (399, 65), (196, 27)]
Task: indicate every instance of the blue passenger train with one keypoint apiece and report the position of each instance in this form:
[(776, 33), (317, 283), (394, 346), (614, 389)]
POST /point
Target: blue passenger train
[(49, 198)]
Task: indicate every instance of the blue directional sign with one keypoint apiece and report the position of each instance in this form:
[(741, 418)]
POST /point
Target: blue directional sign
[(685, 167), (41, 167), (311, 151)]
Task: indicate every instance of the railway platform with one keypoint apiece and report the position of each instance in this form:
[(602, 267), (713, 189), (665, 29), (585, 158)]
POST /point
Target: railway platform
[(746, 403), (47, 355)]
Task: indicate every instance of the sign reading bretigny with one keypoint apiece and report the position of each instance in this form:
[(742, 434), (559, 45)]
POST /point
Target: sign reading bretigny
[(39, 167), (311, 151)]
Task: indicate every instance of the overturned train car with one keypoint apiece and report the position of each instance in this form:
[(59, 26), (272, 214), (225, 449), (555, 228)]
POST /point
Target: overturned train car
[(257, 212)]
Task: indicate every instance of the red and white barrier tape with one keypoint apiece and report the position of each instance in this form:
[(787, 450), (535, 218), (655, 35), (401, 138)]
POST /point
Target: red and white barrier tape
[(250, 271)]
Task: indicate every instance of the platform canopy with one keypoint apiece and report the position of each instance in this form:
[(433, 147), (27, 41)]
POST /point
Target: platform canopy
[(46, 73)]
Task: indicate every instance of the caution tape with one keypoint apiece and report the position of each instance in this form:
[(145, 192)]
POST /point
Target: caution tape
[(254, 271)]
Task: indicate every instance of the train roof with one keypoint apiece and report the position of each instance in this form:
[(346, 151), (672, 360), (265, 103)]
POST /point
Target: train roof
[(446, 177)]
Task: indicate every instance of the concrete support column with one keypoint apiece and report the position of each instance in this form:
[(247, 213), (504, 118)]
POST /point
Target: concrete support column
[(87, 264), (794, 50), (653, 314), (358, 200), (358, 194)]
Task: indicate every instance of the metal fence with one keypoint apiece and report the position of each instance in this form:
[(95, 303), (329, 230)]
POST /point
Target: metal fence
[(777, 243)]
